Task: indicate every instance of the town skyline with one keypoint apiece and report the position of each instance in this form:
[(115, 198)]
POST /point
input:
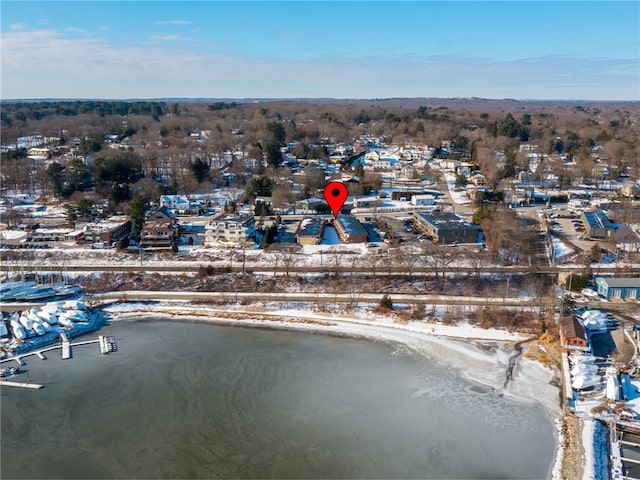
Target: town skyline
[(490, 50)]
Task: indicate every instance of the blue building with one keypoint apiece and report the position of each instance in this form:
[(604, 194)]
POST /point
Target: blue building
[(618, 288)]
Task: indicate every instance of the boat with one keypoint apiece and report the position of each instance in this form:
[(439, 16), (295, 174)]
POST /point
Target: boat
[(9, 371), (65, 320), (38, 292), (575, 359), (74, 305), (74, 315), (15, 291), (17, 330), (26, 321), (68, 291), (582, 382), (46, 316), (38, 328), (584, 369)]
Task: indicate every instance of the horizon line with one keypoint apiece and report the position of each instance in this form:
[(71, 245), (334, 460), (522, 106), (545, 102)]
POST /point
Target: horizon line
[(253, 99)]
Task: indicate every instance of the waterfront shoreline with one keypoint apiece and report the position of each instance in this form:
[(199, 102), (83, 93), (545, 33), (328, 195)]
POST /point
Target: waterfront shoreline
[(491, 349), (483, 359)]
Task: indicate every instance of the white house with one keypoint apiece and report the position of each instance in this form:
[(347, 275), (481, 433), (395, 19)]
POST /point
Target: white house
[(177, 203), (423, 200), (231, 227)]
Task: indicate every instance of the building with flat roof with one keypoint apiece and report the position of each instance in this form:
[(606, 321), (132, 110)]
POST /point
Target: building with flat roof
[(350, 230), (446, 228), (597, 224), (106, 231), (230, 227), (310, 230), (619, 288)]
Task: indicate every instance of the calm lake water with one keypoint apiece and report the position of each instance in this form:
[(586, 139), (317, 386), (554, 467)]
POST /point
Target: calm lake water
[(194, 401)]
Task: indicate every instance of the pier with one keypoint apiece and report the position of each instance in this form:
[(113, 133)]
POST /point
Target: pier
[(66, 346), (106, 344), (34, 386)]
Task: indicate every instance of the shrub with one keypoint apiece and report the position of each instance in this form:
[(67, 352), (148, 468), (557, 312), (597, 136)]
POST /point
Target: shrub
[(575, 282), (123, 243), (386, 302)]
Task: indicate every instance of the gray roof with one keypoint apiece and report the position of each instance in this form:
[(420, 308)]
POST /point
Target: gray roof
[(446, 220), (310, 226), (351, 225), (621, 281)]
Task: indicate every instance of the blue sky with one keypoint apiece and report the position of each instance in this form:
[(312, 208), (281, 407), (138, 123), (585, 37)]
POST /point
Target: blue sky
[(341, 49)]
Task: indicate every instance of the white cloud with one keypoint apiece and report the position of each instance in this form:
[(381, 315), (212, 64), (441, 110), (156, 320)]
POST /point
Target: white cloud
[(47, 63), (17, 26), (165, 38)]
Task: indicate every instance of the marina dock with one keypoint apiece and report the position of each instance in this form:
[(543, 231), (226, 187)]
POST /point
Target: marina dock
[(66, 346), (34, 386), (107, 345)]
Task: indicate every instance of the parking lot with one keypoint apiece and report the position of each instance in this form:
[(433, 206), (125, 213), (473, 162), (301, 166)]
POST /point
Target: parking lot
[(567, 226)]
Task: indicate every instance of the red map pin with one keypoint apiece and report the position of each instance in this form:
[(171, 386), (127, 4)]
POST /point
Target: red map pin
[(335, 193)]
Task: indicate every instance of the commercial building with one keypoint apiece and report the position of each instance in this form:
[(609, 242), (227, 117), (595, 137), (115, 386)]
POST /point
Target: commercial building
[(107, 231), (310, 230), (618, 288), (446, 228), (597, 224), (350, 230), (230, 227)]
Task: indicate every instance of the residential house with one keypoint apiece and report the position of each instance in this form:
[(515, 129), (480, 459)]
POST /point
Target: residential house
[(619, 288), (230, 227), (630, 190), (160, 229), (446, 228), (177, 203)]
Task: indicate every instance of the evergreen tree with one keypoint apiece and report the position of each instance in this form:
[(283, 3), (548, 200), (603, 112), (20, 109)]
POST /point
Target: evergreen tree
[(136, 215)]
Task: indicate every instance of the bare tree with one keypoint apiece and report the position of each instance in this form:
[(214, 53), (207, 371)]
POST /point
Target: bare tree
[(439, 257), (477, 259), (288, 257)]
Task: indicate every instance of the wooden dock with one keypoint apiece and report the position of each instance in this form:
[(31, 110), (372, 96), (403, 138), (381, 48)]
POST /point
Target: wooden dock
[(66, 346), (34, 386), (107, 345)]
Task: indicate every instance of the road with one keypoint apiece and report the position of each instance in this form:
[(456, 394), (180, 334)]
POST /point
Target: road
[(355, 297)]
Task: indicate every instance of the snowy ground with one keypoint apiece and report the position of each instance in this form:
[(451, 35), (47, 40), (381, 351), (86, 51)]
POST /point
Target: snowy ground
[(560, 249), (458, 197)]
